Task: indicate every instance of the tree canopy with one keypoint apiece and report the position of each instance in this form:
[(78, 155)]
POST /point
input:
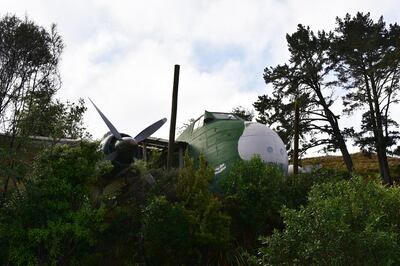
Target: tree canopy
[(29, 81), (367, 54), (360, 59)]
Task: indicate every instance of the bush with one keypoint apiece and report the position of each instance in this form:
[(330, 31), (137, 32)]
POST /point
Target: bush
[(255, 192), (189, 228), (193, 189), (52, 221), (350, 222), (167, 234), (253, 195), (298, 186)]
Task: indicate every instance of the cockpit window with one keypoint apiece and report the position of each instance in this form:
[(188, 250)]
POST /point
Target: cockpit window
[(224, 116)]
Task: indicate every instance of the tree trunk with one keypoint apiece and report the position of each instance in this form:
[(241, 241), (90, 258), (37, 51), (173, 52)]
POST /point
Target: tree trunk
[(345, 154), (338, 138), (380, 142)]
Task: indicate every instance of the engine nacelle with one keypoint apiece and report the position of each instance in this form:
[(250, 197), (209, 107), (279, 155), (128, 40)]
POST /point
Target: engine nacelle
[(126, 149)]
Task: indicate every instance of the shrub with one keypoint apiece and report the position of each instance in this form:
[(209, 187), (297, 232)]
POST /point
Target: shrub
[(298, 186), (193, 230), (255, 192), (253, 195), (52, 221), (350, 222), (193, 189), (167, 234)]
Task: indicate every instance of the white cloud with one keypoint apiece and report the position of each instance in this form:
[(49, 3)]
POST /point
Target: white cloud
[(121, 53)]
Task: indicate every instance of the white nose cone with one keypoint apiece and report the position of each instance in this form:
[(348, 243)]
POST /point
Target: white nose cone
[(257, 139)]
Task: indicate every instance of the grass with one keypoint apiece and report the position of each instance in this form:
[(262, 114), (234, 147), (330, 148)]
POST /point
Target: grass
[(364, 164)]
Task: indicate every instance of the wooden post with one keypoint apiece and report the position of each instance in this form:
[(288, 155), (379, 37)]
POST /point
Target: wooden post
[(173, 116), (296, 137), (144, 148), (180, 157)]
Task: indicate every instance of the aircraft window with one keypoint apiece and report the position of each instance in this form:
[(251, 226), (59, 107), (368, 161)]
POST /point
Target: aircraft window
[(224, 116), (199, 123), (270, 149)]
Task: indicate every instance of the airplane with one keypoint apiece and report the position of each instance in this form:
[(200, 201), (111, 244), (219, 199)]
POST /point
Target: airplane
[(225, 138), (120, 148)]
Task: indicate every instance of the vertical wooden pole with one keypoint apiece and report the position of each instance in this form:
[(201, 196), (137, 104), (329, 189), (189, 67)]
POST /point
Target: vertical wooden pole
[(173, 116), (180, 157), (144, 148), (296, 137)]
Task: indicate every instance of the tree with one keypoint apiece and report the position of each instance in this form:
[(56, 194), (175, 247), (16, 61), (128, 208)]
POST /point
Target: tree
[(28, 65), (52, 222), (368, 59), (29, 57), (277, 112), (243, 113), (29, 80), (53, 118), (305, 79)]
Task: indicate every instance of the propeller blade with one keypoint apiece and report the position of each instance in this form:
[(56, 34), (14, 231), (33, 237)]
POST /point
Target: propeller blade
[(147, 132), (113, 130), (112, 156)]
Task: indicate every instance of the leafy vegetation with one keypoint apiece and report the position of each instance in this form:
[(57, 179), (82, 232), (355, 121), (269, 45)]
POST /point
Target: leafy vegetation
[(179, 220), (361, 58), (254, 193), (29, 81), (353, 222), (51, 221)]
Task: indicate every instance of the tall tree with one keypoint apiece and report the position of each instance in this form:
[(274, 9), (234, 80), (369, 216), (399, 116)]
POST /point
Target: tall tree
[(307, 78), (277, 109), (29, 80), (29, 57), (368, 57)]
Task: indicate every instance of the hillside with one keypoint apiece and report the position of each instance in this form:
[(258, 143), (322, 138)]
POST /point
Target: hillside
[(364, 164)]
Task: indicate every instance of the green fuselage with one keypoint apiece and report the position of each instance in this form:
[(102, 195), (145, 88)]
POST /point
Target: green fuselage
[(216, 138)]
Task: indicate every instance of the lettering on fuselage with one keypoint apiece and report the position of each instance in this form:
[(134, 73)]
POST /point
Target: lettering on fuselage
[(219, 169)]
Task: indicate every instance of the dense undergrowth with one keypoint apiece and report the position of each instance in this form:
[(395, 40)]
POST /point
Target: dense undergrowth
[(73, 211)]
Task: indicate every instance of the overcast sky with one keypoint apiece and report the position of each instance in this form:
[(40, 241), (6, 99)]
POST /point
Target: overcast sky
[(122, 53)]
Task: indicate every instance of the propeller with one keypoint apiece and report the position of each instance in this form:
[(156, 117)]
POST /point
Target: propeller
[(122, 147), (148, 131), (113, 130)]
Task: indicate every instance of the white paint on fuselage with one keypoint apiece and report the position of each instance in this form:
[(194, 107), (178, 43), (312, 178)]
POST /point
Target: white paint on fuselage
[(258, 139)]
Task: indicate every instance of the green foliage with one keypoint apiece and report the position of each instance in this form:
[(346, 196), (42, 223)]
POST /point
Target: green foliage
[(243, 113), (367, 55), (298, 186), (53, 118), (167, 233), (193, 188), (29, 56), (77, 166), (254, 194), (193, 230), (52, 221), (305, 79), (353, 222), (29, 81)]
